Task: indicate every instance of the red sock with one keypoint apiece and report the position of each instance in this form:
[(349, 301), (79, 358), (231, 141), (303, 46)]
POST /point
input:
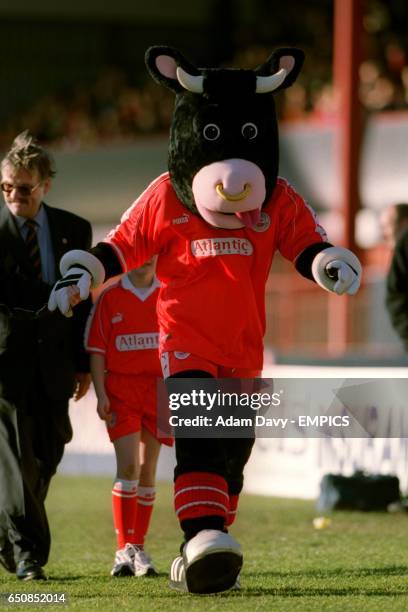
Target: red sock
[(124, 496), (145, 502), (199, 494), (232, 511)]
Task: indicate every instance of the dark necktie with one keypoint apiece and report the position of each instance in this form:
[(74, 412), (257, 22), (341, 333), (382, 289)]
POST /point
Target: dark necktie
[(32, 246)]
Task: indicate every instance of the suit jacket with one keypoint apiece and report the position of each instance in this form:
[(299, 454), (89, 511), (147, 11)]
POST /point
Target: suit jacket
[(50, 347)]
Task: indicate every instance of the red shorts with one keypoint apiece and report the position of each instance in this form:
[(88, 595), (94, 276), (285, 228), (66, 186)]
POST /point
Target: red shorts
[(173, 362), (133, 403)]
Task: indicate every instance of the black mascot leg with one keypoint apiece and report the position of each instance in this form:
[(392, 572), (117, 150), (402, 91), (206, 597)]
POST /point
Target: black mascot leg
[(211, 559)]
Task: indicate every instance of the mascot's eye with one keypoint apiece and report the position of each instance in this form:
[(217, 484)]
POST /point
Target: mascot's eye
[(249, 131), (211, 131)]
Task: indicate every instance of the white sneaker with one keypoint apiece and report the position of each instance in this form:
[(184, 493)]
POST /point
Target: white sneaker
[(124, 561), (142, 563), (211, 563), (177, 578)]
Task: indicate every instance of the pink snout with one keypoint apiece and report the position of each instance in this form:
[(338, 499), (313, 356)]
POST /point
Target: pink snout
[(232, 185)]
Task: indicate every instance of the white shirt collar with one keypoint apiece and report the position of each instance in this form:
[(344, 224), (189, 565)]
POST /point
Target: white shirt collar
[(39, 218), (140, 292)]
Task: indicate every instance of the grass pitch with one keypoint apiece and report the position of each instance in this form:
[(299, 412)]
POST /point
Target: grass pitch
[(358, 563)]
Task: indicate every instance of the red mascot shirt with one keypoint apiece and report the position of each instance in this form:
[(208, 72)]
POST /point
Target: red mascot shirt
[(212, 300)]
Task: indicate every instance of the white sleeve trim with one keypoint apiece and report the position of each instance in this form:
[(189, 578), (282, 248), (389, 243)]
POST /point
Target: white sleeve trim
[(93, 349)]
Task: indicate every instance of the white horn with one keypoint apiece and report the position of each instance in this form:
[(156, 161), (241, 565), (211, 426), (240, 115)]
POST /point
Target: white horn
[(190, 82), (269, 83)]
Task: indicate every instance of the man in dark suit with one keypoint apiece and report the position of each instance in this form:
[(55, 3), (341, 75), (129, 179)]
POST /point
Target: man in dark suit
[(42, 360)]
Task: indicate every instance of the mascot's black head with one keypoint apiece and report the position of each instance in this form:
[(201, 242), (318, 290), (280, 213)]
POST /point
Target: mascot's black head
[(224, 148)]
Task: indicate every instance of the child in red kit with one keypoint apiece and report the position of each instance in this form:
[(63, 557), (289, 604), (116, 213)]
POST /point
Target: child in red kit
[(122, 337)]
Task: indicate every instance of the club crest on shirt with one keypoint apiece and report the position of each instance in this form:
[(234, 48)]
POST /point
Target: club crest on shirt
[(181, 355), (263, 223), (137, 342), (211, 247)]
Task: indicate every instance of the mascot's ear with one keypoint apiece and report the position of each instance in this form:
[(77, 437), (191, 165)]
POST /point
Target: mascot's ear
[(280, 70), (167, 66)]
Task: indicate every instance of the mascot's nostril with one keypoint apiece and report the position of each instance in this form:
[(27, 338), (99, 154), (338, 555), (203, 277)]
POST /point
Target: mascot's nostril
[(233, 197)]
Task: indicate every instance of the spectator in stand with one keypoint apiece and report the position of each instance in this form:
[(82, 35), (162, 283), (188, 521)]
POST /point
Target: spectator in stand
[(394, 222)]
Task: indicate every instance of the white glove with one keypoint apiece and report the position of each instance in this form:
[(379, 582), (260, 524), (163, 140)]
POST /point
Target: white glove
[(60, 294), (80, 269), (346, 279), (338, 270)]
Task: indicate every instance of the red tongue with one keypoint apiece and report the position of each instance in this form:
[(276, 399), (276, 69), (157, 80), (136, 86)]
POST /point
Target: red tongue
[(250, 217)]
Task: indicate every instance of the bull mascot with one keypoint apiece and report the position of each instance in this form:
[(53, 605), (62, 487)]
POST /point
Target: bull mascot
[(215, 220)]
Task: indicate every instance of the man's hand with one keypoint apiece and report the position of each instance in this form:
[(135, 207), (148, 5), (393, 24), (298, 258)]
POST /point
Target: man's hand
[(74, 295), (82, 383)]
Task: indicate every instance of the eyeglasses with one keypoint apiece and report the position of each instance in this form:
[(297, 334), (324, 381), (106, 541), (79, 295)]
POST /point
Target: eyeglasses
[(25, 190)]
